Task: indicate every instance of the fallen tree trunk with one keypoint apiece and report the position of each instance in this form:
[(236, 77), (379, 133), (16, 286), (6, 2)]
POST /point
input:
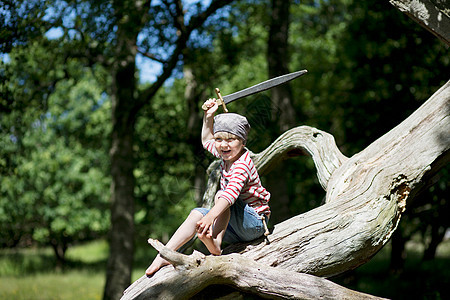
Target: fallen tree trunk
[(366, 197)]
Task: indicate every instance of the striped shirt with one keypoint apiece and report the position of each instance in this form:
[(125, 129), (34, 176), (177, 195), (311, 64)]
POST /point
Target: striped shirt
[(242, 181)]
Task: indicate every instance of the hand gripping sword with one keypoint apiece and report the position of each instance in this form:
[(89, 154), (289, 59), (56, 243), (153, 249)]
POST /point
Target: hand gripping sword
[(265, 85)]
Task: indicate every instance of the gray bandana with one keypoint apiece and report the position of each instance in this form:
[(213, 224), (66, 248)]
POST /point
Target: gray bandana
[(232, 123)]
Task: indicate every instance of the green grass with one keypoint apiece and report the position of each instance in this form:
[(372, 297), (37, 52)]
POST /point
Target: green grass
[(47, 286), (32, 273)]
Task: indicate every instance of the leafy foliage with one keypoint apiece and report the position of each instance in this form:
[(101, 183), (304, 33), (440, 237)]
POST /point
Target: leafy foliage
[(54, 161), (164, 172)]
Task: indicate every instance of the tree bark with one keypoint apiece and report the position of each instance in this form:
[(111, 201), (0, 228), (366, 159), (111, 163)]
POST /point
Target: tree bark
[(366, 197), (121, 241), (278, 61)]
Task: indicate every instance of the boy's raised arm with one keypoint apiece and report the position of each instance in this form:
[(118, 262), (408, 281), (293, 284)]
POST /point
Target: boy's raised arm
[(208, 120)]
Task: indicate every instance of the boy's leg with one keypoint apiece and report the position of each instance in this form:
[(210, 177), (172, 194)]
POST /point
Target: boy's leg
[(183, 234), (213, 240), (245, 224)]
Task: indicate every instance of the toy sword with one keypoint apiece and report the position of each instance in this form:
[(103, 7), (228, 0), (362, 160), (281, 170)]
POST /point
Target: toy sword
[(265, 85)]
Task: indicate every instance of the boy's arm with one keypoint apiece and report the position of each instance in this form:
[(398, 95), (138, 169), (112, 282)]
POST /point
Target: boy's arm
[(208, 120)]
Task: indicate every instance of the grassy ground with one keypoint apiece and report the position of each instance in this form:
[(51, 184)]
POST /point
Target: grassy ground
[(31, 274)]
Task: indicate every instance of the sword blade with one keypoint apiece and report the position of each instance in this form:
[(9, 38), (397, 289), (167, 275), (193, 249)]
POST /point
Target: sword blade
[(265, 85)]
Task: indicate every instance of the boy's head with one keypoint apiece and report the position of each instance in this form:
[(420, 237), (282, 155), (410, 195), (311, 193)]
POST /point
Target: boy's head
[(232, 123)]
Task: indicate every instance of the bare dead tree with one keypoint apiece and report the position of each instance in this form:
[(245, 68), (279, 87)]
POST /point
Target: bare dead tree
[(366, 196)]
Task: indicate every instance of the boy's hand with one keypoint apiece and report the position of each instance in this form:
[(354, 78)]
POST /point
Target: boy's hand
[(204, 226), (210, 106)]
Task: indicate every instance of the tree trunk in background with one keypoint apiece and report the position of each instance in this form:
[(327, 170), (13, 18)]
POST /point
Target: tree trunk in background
[(398, 252), (278, 59), (437, 235), (194, 124), (440, 220), (121, 238), (283, 112)]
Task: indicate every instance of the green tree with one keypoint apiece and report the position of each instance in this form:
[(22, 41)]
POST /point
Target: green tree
[(54, 167)]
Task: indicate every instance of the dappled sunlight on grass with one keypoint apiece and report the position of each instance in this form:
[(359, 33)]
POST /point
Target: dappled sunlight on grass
[(72, 285), (89, 253), (32, 273)]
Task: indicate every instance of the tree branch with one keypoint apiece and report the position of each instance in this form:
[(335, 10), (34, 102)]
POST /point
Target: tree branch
[(199, 272), (194, 23), (432, 15), (319, 144), (151, 56)]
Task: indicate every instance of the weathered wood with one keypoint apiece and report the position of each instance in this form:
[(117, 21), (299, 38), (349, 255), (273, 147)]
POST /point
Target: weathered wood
[(198, 271), (366, 197), (303, 140), (433, 15)]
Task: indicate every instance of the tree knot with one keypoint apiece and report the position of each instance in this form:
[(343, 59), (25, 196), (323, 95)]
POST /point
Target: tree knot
[(400, 191)]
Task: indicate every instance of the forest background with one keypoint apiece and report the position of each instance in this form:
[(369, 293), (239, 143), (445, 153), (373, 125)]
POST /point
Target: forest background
[(369, 67)]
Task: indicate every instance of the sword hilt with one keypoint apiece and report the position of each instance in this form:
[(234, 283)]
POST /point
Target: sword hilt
[(220, 100)]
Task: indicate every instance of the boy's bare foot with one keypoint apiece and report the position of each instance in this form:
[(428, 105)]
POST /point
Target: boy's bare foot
[(209, 242), (157, 264)]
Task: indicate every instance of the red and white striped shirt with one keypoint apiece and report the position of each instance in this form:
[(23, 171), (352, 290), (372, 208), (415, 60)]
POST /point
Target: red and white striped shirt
[(242, 181)]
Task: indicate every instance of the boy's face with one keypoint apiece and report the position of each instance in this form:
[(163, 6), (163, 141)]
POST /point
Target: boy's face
[(229, 146)]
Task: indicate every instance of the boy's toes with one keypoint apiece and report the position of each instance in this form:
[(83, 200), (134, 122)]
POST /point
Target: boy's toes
[(157, 264)]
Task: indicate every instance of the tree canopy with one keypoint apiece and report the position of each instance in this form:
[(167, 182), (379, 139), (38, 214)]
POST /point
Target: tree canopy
[(80, 133)]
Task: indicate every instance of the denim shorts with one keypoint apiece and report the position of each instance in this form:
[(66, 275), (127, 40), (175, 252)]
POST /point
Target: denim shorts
[(245, 224)]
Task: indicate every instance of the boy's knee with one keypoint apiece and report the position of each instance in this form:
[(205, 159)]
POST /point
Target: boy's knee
[(198, 212)]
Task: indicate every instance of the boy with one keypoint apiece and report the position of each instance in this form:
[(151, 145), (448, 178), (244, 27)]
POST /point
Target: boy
[(241, 203)]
